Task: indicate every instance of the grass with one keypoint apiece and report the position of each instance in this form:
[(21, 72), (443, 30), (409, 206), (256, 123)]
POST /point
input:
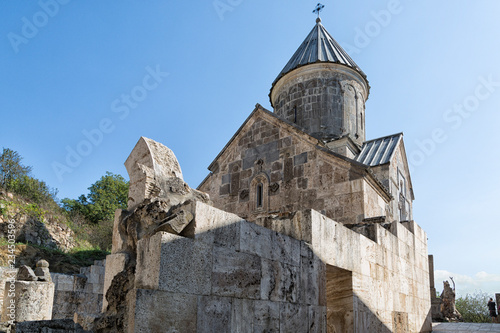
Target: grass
[(60, 262)]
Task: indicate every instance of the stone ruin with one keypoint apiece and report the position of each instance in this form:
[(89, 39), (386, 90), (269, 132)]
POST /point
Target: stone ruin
[(443, 307), (448, 308), (180, 265), (30, 296)]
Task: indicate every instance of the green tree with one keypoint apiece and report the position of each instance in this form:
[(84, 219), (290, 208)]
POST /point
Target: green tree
[(105, 196), (474, 308), (11, 168), (33, 189), (14, 177)]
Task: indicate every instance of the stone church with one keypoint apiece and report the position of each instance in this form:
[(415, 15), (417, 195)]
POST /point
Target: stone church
[(311, 152), (301, 226)]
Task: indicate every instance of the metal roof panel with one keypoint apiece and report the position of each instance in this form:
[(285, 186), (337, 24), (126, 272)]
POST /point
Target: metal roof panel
[(379, 151)]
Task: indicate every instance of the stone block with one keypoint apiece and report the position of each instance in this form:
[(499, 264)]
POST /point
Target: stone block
[(80, 283), (149, 164), (43, 274), (294, 318), (285, 249), (256, 240), (242, 315), (64, 286), (300, 159), (214, 226), (317, 319), (148, 261), (174, 263), (65, 304), (161, 311), (117, 241), (312, 278), (31, 301), (266, 316), (185, 266), (280, 282), (115, 263), (25, 273), (214, 315), (236, 274)]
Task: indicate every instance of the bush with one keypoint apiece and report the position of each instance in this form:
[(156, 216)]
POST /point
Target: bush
[(92, 236), (474, 308)]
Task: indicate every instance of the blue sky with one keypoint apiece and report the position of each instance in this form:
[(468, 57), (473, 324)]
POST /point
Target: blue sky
[(188, 75)]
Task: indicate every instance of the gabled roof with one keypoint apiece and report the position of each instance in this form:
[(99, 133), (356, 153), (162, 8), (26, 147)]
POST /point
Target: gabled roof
[(319, 46), (379, 151)]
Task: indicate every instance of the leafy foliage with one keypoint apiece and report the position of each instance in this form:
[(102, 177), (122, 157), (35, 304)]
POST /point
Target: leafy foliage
[(11, 167), (474, 308), (97, 236), (106, 195), (14, 177)]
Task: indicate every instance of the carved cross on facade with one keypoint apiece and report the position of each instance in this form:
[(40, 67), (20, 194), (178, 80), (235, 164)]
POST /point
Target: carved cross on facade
[(318, 9)]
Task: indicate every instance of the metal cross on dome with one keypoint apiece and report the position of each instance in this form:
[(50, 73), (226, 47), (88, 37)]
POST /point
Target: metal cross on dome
[(318, 9)]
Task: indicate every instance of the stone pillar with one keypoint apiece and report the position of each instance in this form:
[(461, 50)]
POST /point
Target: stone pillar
[(30, 297), (431, 276)]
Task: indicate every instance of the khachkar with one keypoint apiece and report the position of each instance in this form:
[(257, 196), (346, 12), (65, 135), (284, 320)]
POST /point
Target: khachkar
[(179, 264)]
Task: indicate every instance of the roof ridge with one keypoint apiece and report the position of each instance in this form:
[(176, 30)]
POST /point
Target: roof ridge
[(383, 137)]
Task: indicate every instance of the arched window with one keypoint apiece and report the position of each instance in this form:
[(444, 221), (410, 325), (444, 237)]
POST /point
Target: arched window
[(259, 192)]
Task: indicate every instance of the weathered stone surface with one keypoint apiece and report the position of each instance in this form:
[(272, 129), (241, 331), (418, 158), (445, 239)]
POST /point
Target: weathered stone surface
[(149, 164), (25, 273), (43, 274), (176, 223), (236, 274), (216, 227), (280, 281), (173, 263), (161, 311), (115, 263), (52, 326), (294, 318), (256, 240), (297, 174), (28, 301), (266, 316), (214, 314), (42, 263)]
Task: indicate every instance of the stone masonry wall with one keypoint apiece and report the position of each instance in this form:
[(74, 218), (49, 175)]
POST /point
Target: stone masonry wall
[(325, 100), (81, 294), (238, 276), (233, 276), (388, 174), (294, 173)]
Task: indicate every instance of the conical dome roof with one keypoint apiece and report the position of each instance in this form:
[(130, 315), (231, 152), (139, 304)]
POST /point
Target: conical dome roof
[(319, 46)]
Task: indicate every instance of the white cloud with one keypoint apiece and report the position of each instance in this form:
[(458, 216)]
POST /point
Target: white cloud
[(465, 284)]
